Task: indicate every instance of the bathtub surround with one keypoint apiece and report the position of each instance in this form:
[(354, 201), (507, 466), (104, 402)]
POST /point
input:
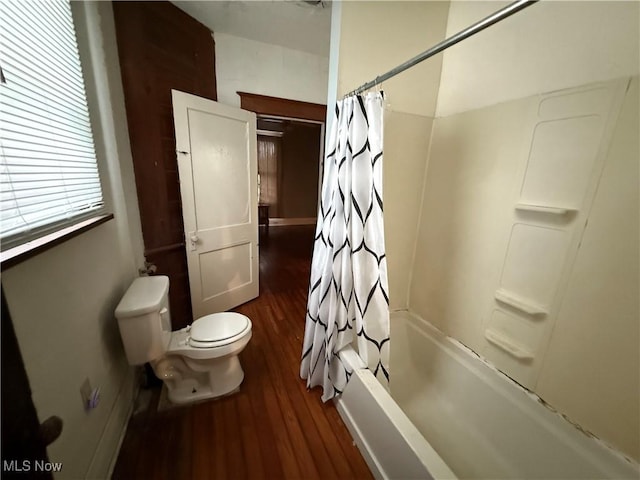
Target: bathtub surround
[(594, 349), (505, 242), (502, 102), (580, 352), (348, 286)]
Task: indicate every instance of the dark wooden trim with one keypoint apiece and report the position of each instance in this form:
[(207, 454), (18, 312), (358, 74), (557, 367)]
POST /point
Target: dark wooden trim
[(18, 254), (282, 107)]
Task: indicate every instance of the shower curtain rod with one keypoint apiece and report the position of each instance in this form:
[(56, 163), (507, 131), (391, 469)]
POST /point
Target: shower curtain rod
[(448, 42)]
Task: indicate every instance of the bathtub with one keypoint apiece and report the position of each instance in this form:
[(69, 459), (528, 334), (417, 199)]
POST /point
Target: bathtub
[(451, 415)]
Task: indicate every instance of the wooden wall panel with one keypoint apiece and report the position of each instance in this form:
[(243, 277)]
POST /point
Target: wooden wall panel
[(282, 107), (161, 48), (298, 189)]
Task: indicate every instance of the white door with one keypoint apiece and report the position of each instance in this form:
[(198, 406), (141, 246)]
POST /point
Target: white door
[(217, 164)]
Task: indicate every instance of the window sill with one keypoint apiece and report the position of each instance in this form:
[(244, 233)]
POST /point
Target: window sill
[(18, 254)]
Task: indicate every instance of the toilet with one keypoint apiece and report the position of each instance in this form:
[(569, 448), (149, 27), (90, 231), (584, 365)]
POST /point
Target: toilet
[(195, 363)]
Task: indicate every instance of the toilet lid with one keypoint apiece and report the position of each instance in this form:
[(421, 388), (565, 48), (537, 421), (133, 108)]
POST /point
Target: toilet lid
[(218, 327)]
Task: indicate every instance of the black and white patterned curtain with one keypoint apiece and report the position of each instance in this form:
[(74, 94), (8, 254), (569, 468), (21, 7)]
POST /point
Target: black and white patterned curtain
[(348, 291)]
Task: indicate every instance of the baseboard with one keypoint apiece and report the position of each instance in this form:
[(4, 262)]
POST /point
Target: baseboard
[(106, 454), (281, 222)]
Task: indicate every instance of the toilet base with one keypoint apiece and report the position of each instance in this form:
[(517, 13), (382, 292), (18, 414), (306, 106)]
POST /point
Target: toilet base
[(189, 380), (165, 404)]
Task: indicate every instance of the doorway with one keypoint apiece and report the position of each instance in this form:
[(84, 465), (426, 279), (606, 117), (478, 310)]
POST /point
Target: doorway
[(289, 159), (274, 116)]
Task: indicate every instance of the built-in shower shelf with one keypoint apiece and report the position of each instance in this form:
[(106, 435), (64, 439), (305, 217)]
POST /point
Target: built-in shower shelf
[(507, 344), (519, 303), (560, 211)]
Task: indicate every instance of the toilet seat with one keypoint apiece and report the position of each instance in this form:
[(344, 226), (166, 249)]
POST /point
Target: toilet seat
[(218, 329)]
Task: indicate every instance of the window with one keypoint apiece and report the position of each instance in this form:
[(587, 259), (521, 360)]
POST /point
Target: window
[(48, 172)]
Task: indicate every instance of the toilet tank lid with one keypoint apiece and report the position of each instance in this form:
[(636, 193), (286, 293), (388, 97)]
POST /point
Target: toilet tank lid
[(145, 295)]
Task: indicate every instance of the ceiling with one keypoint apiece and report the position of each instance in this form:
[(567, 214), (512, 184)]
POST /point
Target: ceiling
[(294, 24)]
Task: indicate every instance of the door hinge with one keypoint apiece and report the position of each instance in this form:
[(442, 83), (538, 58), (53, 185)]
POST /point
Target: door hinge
[(182, 152)]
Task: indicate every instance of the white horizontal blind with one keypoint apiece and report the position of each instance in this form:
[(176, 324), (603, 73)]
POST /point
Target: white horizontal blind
[(48, 173)]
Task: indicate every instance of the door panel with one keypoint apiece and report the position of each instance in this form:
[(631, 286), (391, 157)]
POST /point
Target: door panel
[(237, 271), (216, 156), (217, 161)]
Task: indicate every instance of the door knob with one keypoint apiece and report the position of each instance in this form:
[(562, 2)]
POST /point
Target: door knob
[(193, 240)]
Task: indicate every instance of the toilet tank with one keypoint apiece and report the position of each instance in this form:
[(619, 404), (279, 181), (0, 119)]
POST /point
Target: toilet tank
[(144, 320)]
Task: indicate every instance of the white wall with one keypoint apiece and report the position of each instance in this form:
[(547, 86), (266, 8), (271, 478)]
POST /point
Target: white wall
[(62, 301), (334, 58), (377, 36), (490, 109), (244, 65), (549, 46), (408, 27)]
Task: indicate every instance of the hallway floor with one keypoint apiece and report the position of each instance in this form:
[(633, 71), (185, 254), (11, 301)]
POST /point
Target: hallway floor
[(273, 428)]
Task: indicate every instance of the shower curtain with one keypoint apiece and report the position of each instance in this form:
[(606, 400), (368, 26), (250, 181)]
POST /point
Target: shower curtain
[(348, 290)]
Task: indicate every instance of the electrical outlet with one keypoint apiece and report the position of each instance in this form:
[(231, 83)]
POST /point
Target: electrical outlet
[(86, 392), (94, 399)]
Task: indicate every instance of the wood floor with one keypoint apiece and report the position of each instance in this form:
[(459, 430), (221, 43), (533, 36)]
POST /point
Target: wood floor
[(273, 428)]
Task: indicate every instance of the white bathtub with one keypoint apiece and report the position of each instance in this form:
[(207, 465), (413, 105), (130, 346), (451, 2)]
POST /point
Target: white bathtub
[(452, 415)]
